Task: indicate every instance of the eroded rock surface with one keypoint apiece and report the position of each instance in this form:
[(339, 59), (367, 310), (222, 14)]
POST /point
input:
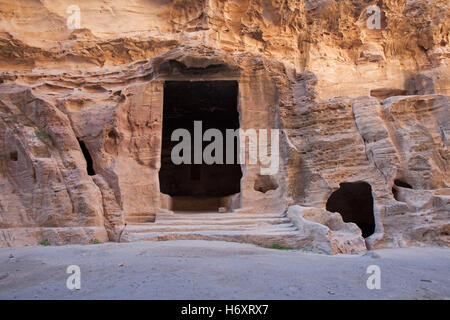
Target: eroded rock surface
[(325, 231), (353, 104)]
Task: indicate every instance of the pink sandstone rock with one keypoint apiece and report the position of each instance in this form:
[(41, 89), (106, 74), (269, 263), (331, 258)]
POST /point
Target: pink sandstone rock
[(353, 105)]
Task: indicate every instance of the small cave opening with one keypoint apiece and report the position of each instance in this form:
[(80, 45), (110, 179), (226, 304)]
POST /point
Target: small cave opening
[(399, 183), (214, 103), (14, 156), (87, 157), (354, 201)]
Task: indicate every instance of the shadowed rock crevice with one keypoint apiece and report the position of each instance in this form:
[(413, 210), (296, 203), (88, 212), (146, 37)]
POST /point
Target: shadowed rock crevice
[(13, 156), (87, 156), (401, 184)]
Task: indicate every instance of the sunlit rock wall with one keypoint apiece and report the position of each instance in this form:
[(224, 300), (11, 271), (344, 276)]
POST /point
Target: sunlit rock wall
[(352, 103)]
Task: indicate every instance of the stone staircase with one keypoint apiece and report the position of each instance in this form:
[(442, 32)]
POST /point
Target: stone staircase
[(259, 228)]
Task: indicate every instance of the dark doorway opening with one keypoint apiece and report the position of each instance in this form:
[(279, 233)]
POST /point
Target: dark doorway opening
[(214, 103), (87, 156), (354, 202)]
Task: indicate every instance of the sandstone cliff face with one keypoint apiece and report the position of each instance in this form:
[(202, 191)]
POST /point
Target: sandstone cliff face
[(353, 103)]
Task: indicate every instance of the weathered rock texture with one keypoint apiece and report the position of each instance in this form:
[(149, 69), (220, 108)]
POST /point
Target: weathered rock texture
[(353, 104), (326, 231)]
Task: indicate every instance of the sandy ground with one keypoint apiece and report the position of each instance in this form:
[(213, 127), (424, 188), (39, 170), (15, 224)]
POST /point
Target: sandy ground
[(219, 270)]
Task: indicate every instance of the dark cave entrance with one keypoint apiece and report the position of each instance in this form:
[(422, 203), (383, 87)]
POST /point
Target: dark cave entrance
[(354, 201), (200, 186), (87, 156)]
